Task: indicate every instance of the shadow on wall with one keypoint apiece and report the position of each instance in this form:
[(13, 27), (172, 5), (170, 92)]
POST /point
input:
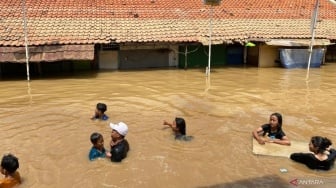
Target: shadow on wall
[(264, 181)]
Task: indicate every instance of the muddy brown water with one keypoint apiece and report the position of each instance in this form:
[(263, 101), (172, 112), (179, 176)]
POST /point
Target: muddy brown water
[(46, 125)]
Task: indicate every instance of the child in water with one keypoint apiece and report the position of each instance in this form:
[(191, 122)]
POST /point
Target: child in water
[(97, 150), (272, 130), (9, 166), (322, 156), (100, 112), (179, 128)]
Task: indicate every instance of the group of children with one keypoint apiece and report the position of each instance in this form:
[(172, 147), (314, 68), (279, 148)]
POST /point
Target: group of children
[(322, 156), (119, 145)]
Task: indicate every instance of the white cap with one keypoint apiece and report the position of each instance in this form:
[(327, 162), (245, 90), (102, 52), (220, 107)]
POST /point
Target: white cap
[(120, 127)]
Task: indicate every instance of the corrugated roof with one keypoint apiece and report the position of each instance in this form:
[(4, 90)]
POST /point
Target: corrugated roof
[(105, 21)]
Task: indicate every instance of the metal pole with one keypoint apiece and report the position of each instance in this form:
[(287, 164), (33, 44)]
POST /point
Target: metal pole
[(210, 35), (313, 27), (23, 2)]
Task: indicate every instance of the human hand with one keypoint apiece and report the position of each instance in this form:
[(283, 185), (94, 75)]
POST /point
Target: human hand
[(165, 122), (95, 116), (269, 141), (261, 141), (328, 148), (108, 154), (113, 143)]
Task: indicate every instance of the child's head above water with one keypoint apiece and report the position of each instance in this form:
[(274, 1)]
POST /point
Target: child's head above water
[(319, 144), (101, 107), (180, 125), (97, 140), (100, 112), (9, 164), (276, 120)]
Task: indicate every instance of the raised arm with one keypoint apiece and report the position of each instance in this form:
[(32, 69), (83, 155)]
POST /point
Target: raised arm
[(167, 123), (256, 134)]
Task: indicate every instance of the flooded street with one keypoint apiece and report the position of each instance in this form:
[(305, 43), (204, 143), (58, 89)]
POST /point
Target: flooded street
[(47, 125)]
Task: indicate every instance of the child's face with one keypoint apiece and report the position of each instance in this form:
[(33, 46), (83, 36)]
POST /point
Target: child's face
[(311, 147), (174, 127), (273, 121), (100, 143), (98, 112)]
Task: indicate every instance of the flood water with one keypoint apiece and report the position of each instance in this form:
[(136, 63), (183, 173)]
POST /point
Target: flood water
[(46, 125)]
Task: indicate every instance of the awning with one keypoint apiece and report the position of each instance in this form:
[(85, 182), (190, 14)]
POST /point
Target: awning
[(47, 53), (298, 42)]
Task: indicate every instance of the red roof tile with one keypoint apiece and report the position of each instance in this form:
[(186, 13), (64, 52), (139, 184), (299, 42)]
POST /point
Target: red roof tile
[(103, 21)]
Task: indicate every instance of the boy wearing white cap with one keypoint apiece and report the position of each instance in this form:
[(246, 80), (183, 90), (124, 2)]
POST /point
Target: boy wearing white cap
[(119, 145)]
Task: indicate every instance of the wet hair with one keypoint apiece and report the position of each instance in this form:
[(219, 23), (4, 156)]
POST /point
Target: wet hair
[(10, 163), (321, 143), (101, 107), (279, 117), (95, 137), (181, 125)]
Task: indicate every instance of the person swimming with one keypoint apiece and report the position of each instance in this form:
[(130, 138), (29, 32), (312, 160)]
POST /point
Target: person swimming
[(322, 156), (272, 130), (99, 113), (179, 129)]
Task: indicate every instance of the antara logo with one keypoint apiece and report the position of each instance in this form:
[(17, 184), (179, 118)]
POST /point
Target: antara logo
[(297, 182), (294, 182)]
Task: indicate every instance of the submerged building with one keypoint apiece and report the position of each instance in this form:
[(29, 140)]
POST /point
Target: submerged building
[(67, 35)]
